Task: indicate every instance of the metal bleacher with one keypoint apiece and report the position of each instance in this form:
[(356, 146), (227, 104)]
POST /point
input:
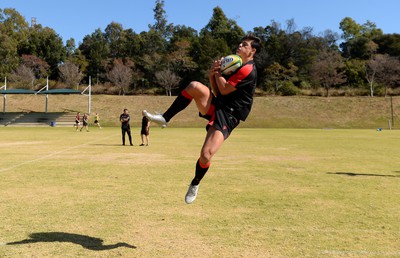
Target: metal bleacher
[(35, 119)]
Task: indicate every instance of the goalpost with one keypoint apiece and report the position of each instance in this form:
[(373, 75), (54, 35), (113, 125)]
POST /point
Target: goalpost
[(4, 95), (89, 89)]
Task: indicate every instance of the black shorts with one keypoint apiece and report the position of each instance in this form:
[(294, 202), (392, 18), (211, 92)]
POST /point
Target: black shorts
[(145, 131), (221, 120), (96, 121)]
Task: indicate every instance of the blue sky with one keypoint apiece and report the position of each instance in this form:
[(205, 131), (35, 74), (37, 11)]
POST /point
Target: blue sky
[(77, 18)]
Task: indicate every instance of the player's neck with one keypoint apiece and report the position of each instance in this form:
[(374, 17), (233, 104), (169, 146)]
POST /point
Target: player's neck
[(246, 60)]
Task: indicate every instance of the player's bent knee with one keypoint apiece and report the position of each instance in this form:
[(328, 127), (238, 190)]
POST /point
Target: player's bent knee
[(196, 86)]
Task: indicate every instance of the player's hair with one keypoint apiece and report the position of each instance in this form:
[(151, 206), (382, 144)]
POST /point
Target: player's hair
[(255, 41)]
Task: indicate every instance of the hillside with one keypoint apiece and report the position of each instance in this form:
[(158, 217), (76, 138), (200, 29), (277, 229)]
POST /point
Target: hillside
[(269, 112)]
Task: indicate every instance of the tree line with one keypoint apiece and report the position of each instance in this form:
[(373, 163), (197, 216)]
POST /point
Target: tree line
[(361, 61)]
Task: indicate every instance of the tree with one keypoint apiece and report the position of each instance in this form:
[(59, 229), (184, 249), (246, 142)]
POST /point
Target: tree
[(161, 25), (181, 32), (220, 27), (70, 47), (39, 67), (180, 58), (168, 80), (131, 45), (70, 74), (351, 29), (384, 69), (390, 75), (115, 36), (96, 50), (327, 69), (24, 77), (46, 44), (150, 64), (8, 55), (13, 31), (388, 44), (355, 72), (372, 67), (121, 76), (277, 75), (358, 38), (160, 32), (13, 24)]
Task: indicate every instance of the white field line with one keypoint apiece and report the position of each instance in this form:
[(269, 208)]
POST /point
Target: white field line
[(50, 155)]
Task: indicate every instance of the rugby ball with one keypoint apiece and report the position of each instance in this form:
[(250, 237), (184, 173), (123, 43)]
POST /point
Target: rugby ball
[(230, 64)]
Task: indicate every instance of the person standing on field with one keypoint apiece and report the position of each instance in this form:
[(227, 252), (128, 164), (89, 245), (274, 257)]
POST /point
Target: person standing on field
[(77, 120), (124, 118), (145, 130), (85, 122), (96, 120), (228, 102)]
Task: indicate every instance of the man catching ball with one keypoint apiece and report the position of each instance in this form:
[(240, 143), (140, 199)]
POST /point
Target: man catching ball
[(229, 101)]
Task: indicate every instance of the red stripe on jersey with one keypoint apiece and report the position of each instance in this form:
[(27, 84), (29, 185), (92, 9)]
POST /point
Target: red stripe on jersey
[(243, 72)]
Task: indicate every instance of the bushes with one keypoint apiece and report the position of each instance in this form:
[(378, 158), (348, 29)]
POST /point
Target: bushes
[(288, 89)]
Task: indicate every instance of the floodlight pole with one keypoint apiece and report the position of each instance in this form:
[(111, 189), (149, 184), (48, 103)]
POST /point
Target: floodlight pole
[(4, 95)]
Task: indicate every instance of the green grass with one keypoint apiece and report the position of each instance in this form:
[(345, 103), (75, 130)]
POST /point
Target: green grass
[(267, 112), (268, 193)]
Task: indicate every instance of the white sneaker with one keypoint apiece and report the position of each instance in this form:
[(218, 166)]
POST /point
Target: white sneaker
[(191, 193), (158, 118)]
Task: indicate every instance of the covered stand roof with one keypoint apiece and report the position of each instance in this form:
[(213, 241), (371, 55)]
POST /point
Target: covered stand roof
[(17, 91), (53, 91), (44, 91), (60, 91)]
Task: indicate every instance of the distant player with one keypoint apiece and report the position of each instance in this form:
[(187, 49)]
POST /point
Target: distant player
[(96, 120), (124, 118), (85, 122), (145, 130), (229, 102), (77, 121)]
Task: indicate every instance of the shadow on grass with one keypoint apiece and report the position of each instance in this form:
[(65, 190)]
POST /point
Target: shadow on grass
[(360, 174), (87, 242), (109, 144)]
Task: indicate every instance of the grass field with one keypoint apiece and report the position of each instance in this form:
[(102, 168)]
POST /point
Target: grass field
[(268, 193), (267, 112)]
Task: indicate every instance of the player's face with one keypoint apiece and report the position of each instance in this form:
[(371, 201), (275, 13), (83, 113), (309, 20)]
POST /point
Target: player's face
[(245, 50)]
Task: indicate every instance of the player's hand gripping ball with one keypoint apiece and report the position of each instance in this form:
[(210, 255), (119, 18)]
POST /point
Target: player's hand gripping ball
[(230, 64)]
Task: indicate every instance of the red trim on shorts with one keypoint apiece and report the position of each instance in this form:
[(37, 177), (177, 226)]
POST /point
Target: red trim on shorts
[(211, 110), (186, 95), (211, 113)]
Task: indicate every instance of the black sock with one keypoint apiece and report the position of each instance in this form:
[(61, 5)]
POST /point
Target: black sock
[(180, 103), (201, 170)]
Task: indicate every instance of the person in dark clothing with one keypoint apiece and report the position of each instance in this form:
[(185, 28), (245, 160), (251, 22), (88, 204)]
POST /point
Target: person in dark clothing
[(77, 120), (85, 122), (228, 102), (125, 126), (145, 130)]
